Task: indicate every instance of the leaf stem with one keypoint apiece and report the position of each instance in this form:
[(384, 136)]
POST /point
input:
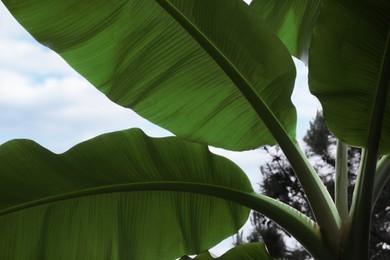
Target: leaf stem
[(382, 176), (319, 198), (341, 180), (358, 237), (300, 226)]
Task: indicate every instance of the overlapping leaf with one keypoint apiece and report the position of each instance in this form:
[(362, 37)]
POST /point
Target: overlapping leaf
[(142, 58), (345, 60), (100, 200), (292, 21)]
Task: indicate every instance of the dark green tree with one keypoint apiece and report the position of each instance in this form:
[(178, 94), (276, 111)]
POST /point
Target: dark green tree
[(280, 182)]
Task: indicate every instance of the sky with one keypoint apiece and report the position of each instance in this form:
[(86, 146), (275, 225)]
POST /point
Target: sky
[(43, 99)]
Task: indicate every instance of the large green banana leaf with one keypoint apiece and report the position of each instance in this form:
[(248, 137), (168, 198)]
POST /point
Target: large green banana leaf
[(248, 251), (114, 197), (345, 60), (291, 20), (141, 57)]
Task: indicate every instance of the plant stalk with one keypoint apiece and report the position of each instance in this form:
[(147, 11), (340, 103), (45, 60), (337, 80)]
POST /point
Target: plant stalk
[(358, 228), (341, 180), (382, 176)]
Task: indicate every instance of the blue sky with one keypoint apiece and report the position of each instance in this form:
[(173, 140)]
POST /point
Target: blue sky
[(43, 99)]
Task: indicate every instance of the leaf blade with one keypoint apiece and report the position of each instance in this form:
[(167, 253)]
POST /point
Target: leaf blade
[(45, 219), (141, 58), (292, 21), (83, 192), (346, 55)]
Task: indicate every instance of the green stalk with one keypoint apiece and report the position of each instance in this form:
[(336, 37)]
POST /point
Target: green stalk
[(319, 198), (382, 176), (358, 228), (300, 226), (341, 180)]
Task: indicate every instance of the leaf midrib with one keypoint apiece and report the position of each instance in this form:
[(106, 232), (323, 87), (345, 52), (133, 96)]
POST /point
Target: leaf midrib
[(320, 200), (300, 226)]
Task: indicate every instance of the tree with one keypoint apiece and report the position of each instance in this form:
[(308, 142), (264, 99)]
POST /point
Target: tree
[(213, 72)]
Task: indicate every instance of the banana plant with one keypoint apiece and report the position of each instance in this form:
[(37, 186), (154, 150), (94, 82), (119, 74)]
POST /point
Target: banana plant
[(214, 73)]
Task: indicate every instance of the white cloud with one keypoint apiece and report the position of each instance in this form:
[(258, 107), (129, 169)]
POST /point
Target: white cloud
[(9, 27), (248, 161), (43, 99), (306, 104), (37, 61), (19, 51), (58, 113), (248, 1)]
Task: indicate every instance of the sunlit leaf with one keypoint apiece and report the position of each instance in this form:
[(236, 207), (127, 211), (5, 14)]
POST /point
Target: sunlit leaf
[(118, 196), (142, 58)]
